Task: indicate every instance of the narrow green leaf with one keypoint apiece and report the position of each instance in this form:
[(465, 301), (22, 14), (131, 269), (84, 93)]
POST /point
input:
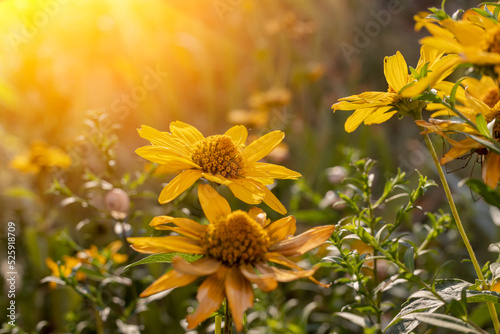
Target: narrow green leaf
[(353, 318), (409, 259), (443, 321), (163, 258), (482, 126)]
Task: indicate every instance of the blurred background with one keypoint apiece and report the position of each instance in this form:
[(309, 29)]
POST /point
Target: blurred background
[(271, 65)]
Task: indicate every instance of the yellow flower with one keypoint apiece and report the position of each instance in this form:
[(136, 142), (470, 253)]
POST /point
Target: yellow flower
[(378, 107), (110, 252), (491, 165), (223, 159), (475, 38), (233, 245), (64, 270), (40, 156)]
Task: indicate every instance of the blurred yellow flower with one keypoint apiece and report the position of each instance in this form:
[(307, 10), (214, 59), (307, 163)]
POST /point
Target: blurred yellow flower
[(40, 156), (272, 98), (223, 159), (64, 270), (474, 37), (378, 107), (233, 245), (109, 253)]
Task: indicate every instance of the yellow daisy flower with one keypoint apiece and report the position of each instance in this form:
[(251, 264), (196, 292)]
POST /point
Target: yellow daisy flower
[(40, 156), (110, 252), (475, 38), (64, 270), (233, 245), (378, 107), (223, 159)]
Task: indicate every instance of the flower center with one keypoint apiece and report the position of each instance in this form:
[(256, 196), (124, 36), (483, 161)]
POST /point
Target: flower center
[(218, 155), (491, 42), (490, 98), (235, 240)]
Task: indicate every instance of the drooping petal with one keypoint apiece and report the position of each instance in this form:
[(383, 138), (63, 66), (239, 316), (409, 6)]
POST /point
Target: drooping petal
[(357, 118), (265, 282), (214, 205), (179, 184), (258, 215), (381, 115), (202, 267), (272, 201), (283, 275), (263, 146), (491, 170), (304, 242), (238, 134), (396, 71), (280, 259), (247, 190), (261, 169), (185, 226), (186, 132), (172, 279), (281, 229), (210, 295), (239, 294), (169, 244)]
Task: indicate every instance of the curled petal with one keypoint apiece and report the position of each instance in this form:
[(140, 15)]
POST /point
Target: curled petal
[(173, 243), (304, 242), (258, 215), (202, 267), (214, 205), (265, 282), (281, 229), (239, 294), (172, 279), (210, 295)]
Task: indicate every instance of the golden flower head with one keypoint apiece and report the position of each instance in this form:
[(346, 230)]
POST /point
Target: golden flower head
[(102, 257), (40, 156), (236, 248), (223, 159), (70, 265)]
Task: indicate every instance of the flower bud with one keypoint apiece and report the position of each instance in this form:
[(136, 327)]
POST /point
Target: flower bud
[(118, 203)]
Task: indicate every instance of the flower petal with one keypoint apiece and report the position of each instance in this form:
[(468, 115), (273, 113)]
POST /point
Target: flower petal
[(172, 279), (213, 204), (162, 155), (357, 117), (186, 132), (247, 190), (304, 242), (210, 295), (281, 229), (280, 259), (380, 115), (396, 71), (238, 134), (263, 146), (283, 275), (273, 202), (216, 178), (491, 170), (261, 169), (169, 244), (239, 294), (202, 267), (179, 184), (185, 226), (265, 282), (164, 139)]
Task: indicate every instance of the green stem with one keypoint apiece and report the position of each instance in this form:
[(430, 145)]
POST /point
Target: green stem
[(218, 324), (228, 325), (460, 226)]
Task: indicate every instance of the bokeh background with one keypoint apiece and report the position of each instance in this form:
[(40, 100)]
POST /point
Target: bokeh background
[(271, 65)]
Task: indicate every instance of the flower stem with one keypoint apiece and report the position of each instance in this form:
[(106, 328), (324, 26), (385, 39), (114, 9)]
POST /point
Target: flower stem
[(228, 324), (218, 324), (460, 227)]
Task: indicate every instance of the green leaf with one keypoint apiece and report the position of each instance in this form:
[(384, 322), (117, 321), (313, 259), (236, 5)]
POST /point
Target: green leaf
[(443, 321), (490, 195), (353, 318), (163, 258), (482, 126), (409, 259)]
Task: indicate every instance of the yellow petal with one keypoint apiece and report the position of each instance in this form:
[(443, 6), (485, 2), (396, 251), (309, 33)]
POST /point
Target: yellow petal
[(210, 295), (357, 118), (265, 282), (179, 184), (261, 169), (304, 242), (239, 294), (263, 146), (214, 205), (380, 115), (238, 134), (161, 155), (164, 139), (258, 215), (216, 178), (280, 259), (478, 105), (186, 132), (172, 279), (52, 266), (466, 33), (283, 275), (442, 43), (169, 244), (272, 201), (247, 190), (396, 71), (281, 229), (491, 170), (186, 227), (202, 267)]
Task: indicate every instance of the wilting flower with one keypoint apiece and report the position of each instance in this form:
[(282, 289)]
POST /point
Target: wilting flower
[(475, 38), (378, 107), (64, 270), (223, 159), (491, 165), (109, 253), (233, 246), (40, 156)]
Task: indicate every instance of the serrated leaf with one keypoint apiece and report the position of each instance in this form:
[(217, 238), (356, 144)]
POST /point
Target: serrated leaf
[(443, 321), (163, 258)]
